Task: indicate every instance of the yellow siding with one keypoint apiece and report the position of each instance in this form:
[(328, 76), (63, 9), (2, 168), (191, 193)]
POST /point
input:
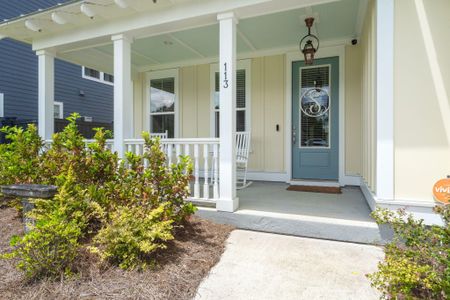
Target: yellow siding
[(194, 101), (353, 106), (367, 44), (256, 162), (138, 107), (188, 102), (422, 91), (274, 87), (203, 101)]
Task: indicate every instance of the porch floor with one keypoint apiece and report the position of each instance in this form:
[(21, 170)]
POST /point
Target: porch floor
[(268, 206), (273, 197)]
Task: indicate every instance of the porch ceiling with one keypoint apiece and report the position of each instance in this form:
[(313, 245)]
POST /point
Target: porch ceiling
[(335, 21)]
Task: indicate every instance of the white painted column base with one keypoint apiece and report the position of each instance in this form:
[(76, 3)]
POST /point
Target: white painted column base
[(228, 205)]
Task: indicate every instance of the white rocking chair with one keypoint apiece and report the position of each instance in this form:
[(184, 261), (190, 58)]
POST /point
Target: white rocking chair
[(161, 135), (242, 155)]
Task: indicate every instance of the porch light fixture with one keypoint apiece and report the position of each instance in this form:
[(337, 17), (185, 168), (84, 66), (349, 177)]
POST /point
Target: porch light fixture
[(309, 44)]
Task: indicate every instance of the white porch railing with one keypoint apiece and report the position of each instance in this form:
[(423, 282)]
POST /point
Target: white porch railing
[(109, 143), (204, 153)]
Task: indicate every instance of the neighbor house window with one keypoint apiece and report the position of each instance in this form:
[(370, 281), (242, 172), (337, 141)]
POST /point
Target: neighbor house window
[(242, 98), (163, 102), (95, 75), (58, 110)]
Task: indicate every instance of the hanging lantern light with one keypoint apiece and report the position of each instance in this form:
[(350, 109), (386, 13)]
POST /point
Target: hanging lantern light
[(309, 44)]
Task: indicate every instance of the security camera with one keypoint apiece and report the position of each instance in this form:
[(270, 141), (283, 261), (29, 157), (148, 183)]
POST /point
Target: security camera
[(354, 41)]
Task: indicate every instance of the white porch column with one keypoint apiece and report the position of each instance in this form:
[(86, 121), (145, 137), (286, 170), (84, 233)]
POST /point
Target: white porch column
[(385, 99), (123, 92), (46, 93), (228, 200)]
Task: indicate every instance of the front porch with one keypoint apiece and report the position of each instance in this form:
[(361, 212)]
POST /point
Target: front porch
[(269, 207), (204, 75)]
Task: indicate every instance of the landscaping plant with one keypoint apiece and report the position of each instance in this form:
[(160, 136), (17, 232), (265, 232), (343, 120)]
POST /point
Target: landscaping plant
[(417, 261), (121, 211)]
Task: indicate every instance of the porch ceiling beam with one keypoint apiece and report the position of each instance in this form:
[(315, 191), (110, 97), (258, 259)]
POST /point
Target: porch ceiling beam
[(246, 40), (84, 47), (185, 14), (180, 42)]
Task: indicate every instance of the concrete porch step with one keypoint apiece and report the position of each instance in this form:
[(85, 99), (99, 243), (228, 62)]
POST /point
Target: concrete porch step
[(364, 232)]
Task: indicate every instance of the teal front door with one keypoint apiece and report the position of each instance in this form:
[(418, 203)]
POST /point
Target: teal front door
[(315, 120)]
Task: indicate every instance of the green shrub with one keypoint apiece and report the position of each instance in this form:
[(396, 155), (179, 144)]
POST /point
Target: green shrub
[(50, 248), (19, 159), (132, 235), (417, 261), (121, 210)]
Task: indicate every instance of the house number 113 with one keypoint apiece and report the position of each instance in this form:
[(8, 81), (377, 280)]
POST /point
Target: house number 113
[(225, 76)]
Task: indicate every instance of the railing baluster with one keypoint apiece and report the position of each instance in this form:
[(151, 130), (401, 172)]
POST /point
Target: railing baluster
[(196, 173), (206, 167), (169, 155), (216, 171), (178, 152)]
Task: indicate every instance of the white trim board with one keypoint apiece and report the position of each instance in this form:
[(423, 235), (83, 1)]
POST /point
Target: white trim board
[(325, 52), (60, 109), (267, 176), (419, 209), (385, 99)]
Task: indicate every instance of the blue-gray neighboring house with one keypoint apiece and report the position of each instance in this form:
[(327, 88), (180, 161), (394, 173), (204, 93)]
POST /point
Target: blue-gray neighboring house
[(77, 89)]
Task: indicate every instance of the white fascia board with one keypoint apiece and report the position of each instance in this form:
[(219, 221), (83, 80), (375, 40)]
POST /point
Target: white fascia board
[(191, 14)]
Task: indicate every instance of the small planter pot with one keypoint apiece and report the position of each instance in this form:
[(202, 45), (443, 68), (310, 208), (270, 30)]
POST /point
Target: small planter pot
[(27, 193)]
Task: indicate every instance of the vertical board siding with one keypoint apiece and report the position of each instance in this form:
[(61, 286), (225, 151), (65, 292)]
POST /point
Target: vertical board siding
[(274, 99), (353, 115), (188, 103), (18, 76), (368, 99)]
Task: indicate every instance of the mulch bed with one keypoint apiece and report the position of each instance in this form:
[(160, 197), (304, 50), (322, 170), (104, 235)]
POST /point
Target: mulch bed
[(179, 271)]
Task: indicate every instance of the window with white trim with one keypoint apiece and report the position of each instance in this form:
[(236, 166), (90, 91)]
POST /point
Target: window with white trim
[(58, 110), (242, 98), (95, 75), (163, 102)]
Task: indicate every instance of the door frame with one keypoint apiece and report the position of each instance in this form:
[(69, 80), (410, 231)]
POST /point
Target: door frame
[(336, 51)]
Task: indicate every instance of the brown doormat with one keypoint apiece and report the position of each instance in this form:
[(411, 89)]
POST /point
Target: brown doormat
[(315, 189)]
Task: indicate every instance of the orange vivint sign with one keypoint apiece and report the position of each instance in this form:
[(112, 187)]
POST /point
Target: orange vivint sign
[(441, 191)]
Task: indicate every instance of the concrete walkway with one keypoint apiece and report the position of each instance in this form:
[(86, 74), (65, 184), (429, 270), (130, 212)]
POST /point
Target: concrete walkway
[(259, 265)]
